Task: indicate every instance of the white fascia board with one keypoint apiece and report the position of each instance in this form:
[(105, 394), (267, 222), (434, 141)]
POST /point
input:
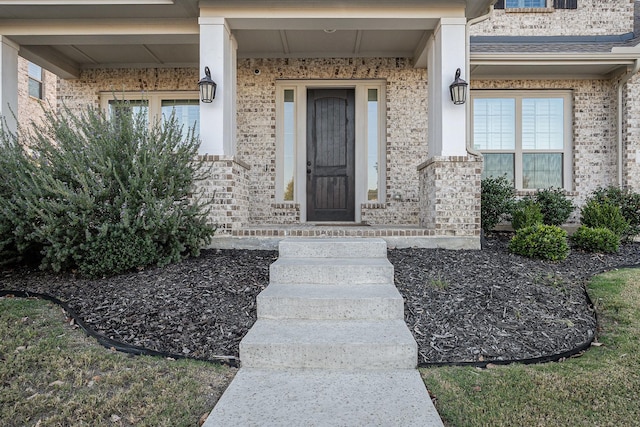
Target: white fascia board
[(552, 58), (83, 2), (322, 17), (83, 27)]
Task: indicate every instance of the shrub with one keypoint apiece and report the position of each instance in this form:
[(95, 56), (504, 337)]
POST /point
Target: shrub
[(627, 201), (497, 198), (604, 215), (596, 239), (526, 213), (105, 196), (540, 241), (555, 206)]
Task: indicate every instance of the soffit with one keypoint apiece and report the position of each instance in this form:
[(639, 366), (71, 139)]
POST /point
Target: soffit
[(66, 37)]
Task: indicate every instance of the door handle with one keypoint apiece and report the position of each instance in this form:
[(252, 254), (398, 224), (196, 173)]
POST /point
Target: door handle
[(308, 170), (309, 163)]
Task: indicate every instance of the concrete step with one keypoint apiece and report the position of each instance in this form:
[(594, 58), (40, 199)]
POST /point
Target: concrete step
[(333, 248), (331, 302), (322, 398), (329, 344), (331, 271)]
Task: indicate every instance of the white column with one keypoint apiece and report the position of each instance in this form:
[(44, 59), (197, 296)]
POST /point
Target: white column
[(9, 82), (447, 122), (218, 119)]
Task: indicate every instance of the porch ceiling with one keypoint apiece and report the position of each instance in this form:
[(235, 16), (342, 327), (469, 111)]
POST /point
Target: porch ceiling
[(66, 36)]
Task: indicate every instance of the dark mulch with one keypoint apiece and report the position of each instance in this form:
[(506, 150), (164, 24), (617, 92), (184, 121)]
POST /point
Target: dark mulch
[(460, 305)]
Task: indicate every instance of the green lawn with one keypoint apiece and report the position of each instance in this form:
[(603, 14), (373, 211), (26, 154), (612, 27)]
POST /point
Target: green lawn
[(53, 375), (601, 388)]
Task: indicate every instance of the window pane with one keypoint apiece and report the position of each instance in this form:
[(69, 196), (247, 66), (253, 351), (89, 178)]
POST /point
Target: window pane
[(35, 88), (541, 170), (187, 113), (494, 124), (132, 107), (289, 143), (497, 165), (372, 136), (525, 3), (35, 71), (542, 123)]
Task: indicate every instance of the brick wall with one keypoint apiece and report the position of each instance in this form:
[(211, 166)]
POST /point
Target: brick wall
[(30, 110), (450, 195), (594, 129), (228, 186), (631, 134), (406, 130), (85, 91), (592, 17)]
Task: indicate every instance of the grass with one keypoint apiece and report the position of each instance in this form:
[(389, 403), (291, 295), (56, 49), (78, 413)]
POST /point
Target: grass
[(53, 375), (600, 388)]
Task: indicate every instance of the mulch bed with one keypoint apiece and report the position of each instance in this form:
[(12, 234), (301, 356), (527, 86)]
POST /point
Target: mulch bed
[(461, 306)]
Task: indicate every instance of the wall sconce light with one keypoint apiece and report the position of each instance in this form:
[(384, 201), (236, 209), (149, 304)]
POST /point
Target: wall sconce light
[(458, 89), (207, 87)]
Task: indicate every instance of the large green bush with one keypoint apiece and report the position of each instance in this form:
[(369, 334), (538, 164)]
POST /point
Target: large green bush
[(526, 213), (626, 200), (555, 206), (604, 215), (541, 241), (596, 239), (101, 195), (497, 198)]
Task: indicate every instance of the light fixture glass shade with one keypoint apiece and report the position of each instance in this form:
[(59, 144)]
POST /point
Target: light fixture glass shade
[(207, 87), (458, 89)]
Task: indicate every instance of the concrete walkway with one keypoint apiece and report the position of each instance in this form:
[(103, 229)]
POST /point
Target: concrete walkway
[(330, 346)]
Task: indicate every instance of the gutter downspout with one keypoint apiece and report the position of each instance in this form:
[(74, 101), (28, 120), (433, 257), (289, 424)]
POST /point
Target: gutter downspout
[(471, 22), (623, 80)]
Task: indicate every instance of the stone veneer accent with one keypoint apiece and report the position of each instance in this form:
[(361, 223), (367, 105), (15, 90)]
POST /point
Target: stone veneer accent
[(450, 195), (228, 186), (406, 123), (592, 17)]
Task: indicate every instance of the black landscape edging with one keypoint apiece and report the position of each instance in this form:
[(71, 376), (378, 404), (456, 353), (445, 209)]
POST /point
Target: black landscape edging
[(111, 343), (530, 360)]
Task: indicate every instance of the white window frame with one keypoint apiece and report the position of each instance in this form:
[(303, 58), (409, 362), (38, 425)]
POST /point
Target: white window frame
[(567, 151), (547, 4), (153, 98), (361, 149), (40, 80)]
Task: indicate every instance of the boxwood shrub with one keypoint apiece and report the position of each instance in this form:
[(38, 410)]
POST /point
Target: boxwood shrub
[(540, 241), (596, 239)]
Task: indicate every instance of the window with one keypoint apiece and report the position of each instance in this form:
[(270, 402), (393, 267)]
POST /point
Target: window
[(526, 137), (157, 105), (35, 81), (536, 4), (525, 3)]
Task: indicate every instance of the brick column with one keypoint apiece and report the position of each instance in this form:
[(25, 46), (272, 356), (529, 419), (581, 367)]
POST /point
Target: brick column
[(228, 183), (450, 196)]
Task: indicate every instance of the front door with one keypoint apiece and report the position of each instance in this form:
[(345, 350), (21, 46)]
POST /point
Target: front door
[(330, 154)]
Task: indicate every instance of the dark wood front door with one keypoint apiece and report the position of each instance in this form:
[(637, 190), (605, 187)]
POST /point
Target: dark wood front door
[(330, 154)]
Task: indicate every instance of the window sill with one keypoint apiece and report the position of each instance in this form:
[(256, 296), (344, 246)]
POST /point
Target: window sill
[(529, 10)]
